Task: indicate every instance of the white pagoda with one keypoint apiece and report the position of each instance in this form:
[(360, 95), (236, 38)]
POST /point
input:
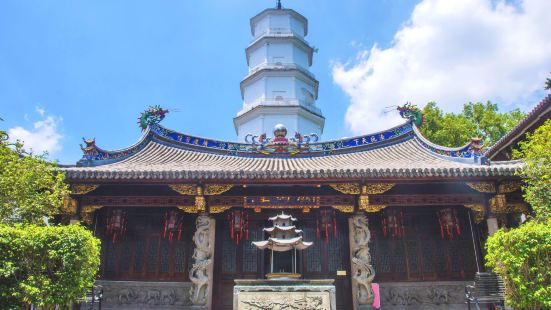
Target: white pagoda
[(284, 236), (279, 87)]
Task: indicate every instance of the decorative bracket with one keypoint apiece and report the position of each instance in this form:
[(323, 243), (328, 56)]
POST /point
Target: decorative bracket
[(482, 187), (70, 206), (87, 213), (217, 189), (372, 189), (508, 187), (344, 208), (184, 189), (82, 189), (347, 188), (478, 210)]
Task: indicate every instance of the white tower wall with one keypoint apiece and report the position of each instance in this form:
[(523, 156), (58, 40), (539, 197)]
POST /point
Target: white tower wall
[(279, 89)]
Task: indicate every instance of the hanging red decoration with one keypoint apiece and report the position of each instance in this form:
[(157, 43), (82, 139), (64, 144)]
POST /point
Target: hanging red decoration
[(116, 224), (172, 225), (326, 221), (239, 225), (393, 223), (448, 222)]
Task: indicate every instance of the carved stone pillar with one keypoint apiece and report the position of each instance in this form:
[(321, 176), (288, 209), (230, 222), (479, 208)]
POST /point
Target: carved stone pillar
[(201, 273), (361, 269)]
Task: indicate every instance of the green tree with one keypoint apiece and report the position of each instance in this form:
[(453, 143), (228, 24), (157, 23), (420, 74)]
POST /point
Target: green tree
[(46, 266), (522, 257), (536, 172), (476, 120), (548, 84), (31, 187)]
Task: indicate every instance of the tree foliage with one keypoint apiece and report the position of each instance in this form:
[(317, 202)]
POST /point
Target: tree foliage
[(536, 173), (476, 120), (548, 84), (522, 257), (46, 266), (31, 188)]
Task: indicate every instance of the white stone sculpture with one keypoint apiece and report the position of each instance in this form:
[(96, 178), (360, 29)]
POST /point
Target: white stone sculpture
[(199, 273), (363, 272)]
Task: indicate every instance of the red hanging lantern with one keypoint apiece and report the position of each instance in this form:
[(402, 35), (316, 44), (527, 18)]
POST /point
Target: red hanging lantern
[(448, 222), (326, 221), (173, 221), (239, 225), (116, 224), (393, 223)]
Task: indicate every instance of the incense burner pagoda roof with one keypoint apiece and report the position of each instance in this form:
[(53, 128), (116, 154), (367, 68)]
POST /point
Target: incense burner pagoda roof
[(400, 152)]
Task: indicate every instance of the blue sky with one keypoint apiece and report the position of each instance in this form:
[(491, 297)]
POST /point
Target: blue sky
[(72, 69)]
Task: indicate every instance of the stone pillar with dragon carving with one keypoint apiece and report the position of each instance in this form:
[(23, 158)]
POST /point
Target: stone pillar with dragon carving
[(201, 273), (361, 268)]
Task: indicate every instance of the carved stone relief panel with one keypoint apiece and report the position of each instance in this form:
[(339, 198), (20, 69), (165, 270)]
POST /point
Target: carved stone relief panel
[(125, 295), (449, 295)]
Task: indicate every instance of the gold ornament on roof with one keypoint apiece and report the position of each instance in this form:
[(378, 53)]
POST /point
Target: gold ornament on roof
[(376, 188), (200, 203), (184, 189), (483, 187), (69, 206), (344, 208), (188, 209), (217, 189), (81, 189), (478, 210), (87, 213), (373, 208), (218, 209), (347, 188), (509, 187), (498, 204)]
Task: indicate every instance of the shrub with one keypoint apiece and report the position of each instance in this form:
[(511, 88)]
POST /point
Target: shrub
[(522, 257), (536, 173), (46, 266)]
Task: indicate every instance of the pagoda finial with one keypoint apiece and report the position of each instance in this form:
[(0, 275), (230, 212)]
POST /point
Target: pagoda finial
[(278, 6)]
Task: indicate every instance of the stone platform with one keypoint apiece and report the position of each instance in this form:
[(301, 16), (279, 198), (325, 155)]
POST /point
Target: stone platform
[(284, 294)]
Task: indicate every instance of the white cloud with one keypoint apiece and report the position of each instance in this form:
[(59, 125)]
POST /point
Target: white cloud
[(451, 52), (40, 111), (43, 137)]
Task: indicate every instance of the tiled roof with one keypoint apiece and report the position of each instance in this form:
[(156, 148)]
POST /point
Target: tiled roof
[(406, 155), (543, 107)]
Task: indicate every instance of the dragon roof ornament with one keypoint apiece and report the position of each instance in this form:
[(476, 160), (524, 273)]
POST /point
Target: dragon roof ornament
[(412, 113), (280, 143), (153, 115)]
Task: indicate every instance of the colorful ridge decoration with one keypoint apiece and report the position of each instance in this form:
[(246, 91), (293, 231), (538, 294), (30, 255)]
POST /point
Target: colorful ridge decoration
[(411, 112), (153, 115), (280, 143)]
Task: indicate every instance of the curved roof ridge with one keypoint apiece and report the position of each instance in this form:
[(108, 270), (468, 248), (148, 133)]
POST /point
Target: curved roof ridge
[(93, 153), (468, 150), (530, 118)]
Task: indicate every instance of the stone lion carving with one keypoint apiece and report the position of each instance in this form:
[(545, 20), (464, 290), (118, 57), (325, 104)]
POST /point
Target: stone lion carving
[(152, 297), (199, 273), (363, 272), (439, 296), (126, 296), (168, 297)]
